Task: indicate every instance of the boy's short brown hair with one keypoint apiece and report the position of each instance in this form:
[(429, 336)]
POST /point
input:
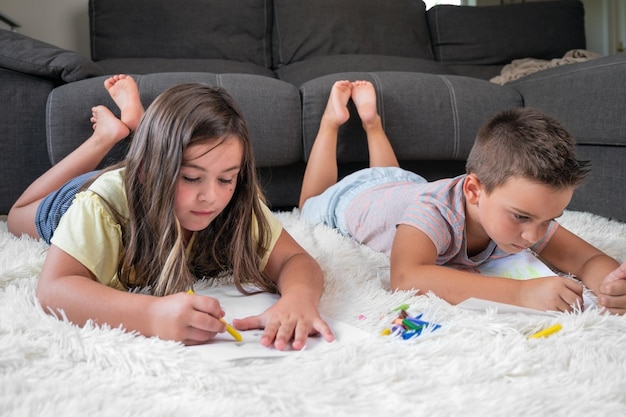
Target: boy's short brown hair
[(523, 142)]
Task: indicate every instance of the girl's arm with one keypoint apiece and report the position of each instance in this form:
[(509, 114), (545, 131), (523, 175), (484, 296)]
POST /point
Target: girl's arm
[(571, 254), (413, 267), (295, 315), (66, 284)]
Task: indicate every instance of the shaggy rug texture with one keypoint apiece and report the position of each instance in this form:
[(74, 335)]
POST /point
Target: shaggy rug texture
[(476, 364)]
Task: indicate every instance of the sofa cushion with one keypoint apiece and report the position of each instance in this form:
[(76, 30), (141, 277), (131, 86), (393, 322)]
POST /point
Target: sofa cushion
[(299, 72), (426, 116), (499, 34), (203, 29), (30, 56), (270, 107), (154, 65), (484, 72), (304, 29)]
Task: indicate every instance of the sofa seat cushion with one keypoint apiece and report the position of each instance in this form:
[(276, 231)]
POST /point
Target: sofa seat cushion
[(205, 29), (304, 29), (270, 107), (299, 72), (497, 35), (426, 116), (484, 72), (155, 65)]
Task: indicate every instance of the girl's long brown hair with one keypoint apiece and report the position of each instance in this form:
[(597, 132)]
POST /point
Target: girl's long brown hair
[(155, 255)]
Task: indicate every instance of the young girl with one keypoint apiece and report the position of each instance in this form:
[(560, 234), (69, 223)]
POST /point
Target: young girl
[(184, 204)]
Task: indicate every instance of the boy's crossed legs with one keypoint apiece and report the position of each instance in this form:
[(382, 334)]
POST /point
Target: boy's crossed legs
[(321, 170), (108, 131)]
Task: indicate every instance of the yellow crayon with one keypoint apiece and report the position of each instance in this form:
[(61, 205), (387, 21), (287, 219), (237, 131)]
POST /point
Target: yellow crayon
[(230, 329), (546, 332)]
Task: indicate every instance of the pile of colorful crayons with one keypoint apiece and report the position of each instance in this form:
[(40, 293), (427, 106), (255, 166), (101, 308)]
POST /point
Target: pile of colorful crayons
[(408, 327)]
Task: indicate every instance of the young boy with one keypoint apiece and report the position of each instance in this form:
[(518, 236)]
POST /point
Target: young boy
[(521, 175)]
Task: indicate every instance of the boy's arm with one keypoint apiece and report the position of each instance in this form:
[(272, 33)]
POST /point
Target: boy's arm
[(612, 294), (413, 267), (571, 254)]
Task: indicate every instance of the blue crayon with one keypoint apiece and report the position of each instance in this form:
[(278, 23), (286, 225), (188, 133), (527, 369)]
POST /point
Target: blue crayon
[(408, 334)]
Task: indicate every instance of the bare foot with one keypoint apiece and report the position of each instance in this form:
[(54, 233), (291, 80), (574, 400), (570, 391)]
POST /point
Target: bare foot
[(107, 127), (364, 98), (125, 93), (336, 111)]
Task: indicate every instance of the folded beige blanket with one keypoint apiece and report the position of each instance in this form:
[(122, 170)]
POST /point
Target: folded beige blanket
[(521, 67)]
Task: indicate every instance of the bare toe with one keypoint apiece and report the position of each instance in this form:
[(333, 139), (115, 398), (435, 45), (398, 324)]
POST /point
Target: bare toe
[(107, 126), (364, 98), (125, 93)]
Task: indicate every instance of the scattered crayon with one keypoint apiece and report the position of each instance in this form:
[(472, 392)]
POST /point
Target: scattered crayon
[(406, 326), (230, 329), (546, 332)]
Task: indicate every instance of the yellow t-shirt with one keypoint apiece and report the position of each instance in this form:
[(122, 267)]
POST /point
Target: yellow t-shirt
[(89, 232)]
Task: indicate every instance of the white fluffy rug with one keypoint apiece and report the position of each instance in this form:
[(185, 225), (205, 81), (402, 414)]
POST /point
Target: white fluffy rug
[(477, 363)]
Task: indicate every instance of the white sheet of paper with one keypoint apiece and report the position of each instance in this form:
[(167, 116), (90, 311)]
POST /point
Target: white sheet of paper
[(522, 265), (237, 305), (484, 305)]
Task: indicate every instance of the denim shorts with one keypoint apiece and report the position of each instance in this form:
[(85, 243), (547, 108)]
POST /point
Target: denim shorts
[(55, 204), (329, 207)]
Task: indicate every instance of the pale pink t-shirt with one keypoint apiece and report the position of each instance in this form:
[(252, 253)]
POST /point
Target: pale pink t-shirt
[(436, 208)]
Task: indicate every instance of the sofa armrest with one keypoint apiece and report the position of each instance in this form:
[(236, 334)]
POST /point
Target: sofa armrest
[(26, 55), (23, 152)]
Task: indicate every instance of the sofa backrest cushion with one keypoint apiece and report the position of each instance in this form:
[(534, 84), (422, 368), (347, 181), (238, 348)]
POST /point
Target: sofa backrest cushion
[(199, 29), (309, 28), (499, 34)]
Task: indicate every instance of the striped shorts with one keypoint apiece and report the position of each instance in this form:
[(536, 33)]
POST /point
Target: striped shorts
[(55, 204)]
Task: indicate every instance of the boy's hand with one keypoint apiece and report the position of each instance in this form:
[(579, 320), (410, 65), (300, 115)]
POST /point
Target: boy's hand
[(551, 294), (612, 291), (285, 321)]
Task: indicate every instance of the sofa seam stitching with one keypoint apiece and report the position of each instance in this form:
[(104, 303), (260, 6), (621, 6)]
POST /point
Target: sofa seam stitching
[(455, 115)]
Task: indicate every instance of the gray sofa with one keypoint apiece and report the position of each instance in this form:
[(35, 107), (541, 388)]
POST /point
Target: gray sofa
[(279, 58)]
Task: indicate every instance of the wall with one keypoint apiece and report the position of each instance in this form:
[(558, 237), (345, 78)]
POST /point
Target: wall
[(65, 22), (60, 22)]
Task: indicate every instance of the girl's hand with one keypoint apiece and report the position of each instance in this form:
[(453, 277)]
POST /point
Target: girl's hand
[(187, 318), (287, 320), (551, 294), (612, 291)]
